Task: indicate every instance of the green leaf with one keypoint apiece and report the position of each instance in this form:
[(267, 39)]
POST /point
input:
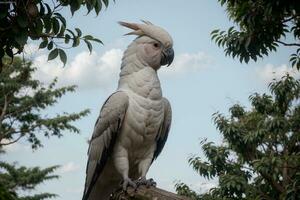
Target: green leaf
[(96, 40), (215, 31), (230, 29), (92, 2), (88, 37), (62, 31), (22, 21), (214, 36), (9, 52), (248, 41), (79, 33), (89, 45), (89, 6), (49, 11), (50, 45), (42, 9), (76, 42), (55, 25), (39, 26), (62, 56), (53, 54), (74, 5), (106, 2), (71, 32), (47, 24), (61, 18), (98, 6), (21, 38), (67, 38), (43, 44)]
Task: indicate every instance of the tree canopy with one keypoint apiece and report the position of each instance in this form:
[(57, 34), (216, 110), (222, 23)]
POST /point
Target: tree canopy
[(14, 179), (41, 20), (23, 105), (259, 157), (260, 154), (261, 26), (22, 101)]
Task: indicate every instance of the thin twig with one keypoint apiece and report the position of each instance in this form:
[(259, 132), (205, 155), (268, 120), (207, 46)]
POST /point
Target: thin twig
[(289, 19), (16, 140), (288, 44)]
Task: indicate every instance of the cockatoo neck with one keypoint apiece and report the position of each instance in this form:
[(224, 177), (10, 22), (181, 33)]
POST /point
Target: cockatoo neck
[(137, 77)]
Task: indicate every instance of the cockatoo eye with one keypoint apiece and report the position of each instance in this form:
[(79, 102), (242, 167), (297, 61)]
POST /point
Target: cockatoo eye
[(156, 45)]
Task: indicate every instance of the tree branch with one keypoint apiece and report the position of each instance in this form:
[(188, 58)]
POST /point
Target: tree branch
[(289, 19), (3, 114), (11, 142), (46, 35), (28, 130), (4, 109), (273, 183), (269, 178), (289, 44), (144, 193)]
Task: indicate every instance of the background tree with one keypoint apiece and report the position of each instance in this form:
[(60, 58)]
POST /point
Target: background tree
[(260, 154), (14, 179), (261, 26), (42, 20), (23, 102)]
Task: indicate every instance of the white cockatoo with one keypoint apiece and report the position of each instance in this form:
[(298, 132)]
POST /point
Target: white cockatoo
[(134, 121)]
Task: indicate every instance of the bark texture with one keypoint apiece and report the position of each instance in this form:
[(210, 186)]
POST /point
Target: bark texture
[(144, 193)]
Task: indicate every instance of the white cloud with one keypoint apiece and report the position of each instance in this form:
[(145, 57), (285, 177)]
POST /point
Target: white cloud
[(90, 71), (269, 72), (188, 63), (85, 70), (69, 167)]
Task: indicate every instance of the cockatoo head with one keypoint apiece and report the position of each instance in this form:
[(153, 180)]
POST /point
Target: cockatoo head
[(154, 46)]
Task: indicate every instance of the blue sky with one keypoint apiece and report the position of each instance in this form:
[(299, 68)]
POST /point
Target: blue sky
[(201, 81)]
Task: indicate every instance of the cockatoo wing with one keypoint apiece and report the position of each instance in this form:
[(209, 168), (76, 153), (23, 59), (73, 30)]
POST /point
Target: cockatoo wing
[(107, 128), (164, 129)]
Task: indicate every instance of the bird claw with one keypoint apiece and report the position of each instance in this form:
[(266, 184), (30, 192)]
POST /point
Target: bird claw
[(147, 182), (128, 182)]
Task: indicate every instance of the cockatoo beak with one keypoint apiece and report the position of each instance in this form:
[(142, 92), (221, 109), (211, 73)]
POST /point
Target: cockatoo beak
[(167, 56)]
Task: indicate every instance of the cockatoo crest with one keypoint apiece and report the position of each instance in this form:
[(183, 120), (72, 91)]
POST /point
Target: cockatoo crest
[(150, 30)]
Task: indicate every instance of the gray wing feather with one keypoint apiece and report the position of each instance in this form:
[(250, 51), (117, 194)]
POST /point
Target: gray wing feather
[(164, 129), (106, 129)]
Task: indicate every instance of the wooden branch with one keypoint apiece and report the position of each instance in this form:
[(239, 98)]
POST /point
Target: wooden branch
[(144, 193)]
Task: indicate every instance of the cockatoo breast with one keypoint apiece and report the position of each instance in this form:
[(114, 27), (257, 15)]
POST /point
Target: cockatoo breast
[(145, 112)]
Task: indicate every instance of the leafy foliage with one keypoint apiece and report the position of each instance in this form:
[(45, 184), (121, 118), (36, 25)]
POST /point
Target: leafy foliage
[(262, 26), (41, 20), (23, 101), (13, 178), (260, 155)]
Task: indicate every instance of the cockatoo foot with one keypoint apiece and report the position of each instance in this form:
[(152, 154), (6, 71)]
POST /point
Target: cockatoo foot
[(146, 182), (128, 182)]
